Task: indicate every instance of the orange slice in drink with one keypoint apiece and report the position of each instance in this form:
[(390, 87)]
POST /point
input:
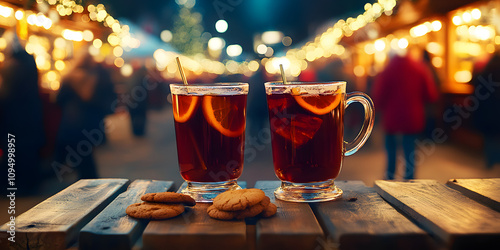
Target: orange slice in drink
[(319, 104), (184, 106), (225, 116), (299, 128)]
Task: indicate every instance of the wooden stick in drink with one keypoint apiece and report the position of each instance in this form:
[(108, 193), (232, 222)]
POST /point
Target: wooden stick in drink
[(283, 74), (181, 71)]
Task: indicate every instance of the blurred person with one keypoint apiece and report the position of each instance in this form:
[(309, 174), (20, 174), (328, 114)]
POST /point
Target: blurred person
[(138, 104), (158, 95), (105, 94), (257, 114), (226, 78), (487, 116), (400, 93), (308, 75), (20, 115), (336, 70), (85, 97)]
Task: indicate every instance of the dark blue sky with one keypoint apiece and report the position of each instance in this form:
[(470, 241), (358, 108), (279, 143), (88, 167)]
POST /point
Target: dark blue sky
[(298, 19)]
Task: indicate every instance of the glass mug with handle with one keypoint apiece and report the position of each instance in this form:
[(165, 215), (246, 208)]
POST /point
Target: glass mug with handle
[(307, 136)]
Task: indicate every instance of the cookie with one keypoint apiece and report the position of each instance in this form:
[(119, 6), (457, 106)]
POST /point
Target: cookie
[(269, 211), (239, 215), (253, 210), (169, 197), (234, 200), (158, 211), (219, 214)]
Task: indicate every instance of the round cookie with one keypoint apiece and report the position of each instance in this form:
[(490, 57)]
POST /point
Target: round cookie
[(239, 215), (158, 211), (169, 197), (253, 210), (269, 211), (220, 215), (234, 200)]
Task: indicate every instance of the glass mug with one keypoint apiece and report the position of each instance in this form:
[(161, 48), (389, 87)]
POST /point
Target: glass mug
[(210, 135), (307, 137)]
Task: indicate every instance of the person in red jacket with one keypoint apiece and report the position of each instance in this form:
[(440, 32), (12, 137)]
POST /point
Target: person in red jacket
[(400, 93)]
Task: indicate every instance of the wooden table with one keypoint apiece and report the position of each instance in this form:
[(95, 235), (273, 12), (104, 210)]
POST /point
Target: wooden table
[(418, 214)]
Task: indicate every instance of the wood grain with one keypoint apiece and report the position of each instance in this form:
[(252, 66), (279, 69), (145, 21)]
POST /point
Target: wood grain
[(56, 222), (485, 191), (113, 228), (194, 229), (361, 219), (293, 227), (452, 217)]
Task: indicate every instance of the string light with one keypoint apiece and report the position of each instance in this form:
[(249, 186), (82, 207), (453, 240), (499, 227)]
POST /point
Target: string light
[(19, 14), (49, 16), (120, 39), (323, 44)]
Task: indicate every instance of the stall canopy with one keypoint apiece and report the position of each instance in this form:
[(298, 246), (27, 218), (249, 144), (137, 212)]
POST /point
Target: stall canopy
[(149, 43)]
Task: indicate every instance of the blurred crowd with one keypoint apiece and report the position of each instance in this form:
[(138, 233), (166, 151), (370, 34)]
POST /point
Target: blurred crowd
[(57, 134)]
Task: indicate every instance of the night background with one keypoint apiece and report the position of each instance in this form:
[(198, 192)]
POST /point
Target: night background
[(85, 88)]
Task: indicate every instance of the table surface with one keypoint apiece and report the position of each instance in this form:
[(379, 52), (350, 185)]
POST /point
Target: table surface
[(416, 214)]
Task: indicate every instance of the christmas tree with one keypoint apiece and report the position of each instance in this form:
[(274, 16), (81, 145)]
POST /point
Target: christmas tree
[(186, 34)]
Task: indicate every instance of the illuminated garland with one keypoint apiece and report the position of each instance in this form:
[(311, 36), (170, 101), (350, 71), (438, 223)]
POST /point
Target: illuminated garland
[(327, 43), (120, 40), (296, 60)]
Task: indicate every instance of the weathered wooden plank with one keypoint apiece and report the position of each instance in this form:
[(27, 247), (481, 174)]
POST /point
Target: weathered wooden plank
[(113, 228), (485, 191), (55, 222), (457, 220), (293, 227), (194, 229), (361, 219)]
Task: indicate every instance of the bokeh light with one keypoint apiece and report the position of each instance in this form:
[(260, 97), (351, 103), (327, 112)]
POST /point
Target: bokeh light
[(234, 50), (221, 26), (216, 43), (166, 36)]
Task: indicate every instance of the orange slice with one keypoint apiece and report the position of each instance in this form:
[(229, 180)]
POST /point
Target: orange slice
[(225, 116), (319, 104), (184, 106), (299, 128)]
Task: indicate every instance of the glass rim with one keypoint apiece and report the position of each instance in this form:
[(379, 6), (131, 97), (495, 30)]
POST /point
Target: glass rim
[(218, 88), (305, 88), (215, 84), (309, 84)]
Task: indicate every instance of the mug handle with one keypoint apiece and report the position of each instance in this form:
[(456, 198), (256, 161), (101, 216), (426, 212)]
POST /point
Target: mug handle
[(356, 96)]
